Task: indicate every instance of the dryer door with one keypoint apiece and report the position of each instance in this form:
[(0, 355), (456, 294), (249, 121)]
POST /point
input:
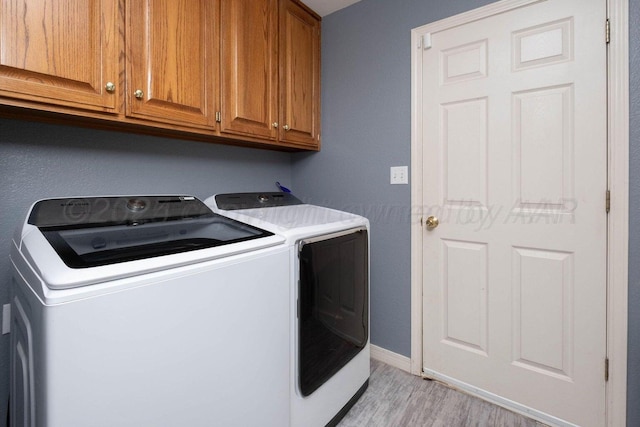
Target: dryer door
[(333, 323)]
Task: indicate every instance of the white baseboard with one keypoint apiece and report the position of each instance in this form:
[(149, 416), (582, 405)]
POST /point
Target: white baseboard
[(390, 358)]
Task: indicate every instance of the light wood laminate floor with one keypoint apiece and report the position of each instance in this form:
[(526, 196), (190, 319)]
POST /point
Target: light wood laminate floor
[(398, 399)]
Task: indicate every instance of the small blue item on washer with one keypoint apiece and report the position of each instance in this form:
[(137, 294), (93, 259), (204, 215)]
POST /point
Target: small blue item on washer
[(283, 188)]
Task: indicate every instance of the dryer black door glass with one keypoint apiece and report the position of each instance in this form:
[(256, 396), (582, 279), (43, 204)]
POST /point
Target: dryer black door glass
[(333, 306)]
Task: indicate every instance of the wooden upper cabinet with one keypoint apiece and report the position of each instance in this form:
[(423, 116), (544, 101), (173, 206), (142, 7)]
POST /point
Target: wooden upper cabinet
[(177, 65), (60, 52), (172, 46), (299, 75), (249, 67), (270, 71)]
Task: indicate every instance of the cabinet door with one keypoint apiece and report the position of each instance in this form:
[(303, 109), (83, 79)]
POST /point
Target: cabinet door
[(61, 52), (171, 60), (299, 75), (249, 67)]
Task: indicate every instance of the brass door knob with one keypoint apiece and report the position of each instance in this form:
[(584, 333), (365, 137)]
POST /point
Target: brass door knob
[(275, 124), (286, 127), (432, 222), (110, 87), (138, 94)]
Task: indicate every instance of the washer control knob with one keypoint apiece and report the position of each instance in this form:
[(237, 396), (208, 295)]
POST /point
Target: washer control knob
[(136, 205), (99, 242), (263, 198)]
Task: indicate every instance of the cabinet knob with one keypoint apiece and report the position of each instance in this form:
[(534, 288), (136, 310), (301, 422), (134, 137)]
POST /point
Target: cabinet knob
[(110, 87), (286, 127), (274, 124), (138, 94)]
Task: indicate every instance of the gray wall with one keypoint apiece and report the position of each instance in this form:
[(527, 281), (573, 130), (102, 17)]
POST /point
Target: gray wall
[(366, 115), (41, 160)]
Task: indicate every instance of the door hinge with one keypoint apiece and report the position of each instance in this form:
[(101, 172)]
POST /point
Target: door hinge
[(218, 117), (606, 369), (607, 31), (608, 201)]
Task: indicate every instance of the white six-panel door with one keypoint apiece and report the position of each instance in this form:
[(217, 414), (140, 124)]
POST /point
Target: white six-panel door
[(513, 131)]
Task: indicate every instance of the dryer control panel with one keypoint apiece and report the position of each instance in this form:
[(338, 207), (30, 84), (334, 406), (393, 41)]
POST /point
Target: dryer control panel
[(235, 201)]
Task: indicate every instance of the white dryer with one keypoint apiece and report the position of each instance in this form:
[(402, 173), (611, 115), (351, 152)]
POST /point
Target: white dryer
[(329, 280), (147, 311)]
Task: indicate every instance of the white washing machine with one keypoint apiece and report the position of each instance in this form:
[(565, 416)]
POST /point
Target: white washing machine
[(147, 311), (329, 279)]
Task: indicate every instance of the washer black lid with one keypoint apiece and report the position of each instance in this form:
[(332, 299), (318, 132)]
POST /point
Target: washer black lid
[(95, 231)]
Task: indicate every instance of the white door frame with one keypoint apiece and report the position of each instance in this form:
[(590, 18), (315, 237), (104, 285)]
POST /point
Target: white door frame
[(618, 175)]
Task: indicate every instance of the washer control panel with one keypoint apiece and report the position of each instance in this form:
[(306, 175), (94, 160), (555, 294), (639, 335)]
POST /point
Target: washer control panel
[(127, 210)]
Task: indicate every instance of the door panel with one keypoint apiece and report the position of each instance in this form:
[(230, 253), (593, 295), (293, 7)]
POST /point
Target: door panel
[(543, 148), (543, 339), (514, 291), (464, 146), (465, 295)]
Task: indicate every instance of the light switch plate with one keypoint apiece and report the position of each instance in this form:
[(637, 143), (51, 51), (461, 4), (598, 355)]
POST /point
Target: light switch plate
[(399, 174)]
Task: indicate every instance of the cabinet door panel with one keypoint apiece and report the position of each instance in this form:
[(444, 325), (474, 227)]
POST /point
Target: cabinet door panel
[(300, 75), (171, 48), (60, 52), (249, 67)]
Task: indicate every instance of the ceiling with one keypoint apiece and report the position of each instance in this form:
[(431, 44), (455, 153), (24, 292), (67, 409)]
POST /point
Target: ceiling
[(325, 7)]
